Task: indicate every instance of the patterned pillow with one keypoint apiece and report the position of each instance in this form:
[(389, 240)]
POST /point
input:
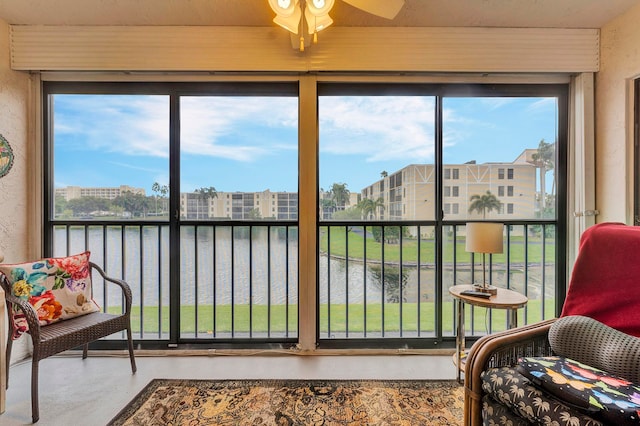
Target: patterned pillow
[(57, 288), (511, 389), (611, 399)]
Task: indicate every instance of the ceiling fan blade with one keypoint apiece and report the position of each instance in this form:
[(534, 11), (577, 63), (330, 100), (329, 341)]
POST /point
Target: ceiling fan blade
[(384, 8)]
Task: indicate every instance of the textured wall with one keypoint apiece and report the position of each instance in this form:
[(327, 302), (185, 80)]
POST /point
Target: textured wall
[(14, 207), (14, 210), (620, 64)]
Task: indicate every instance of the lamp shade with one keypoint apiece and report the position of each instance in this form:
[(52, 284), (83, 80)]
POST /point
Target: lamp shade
[(484, 237)]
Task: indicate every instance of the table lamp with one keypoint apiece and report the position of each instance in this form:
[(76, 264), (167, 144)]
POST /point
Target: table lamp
[(484, 237)]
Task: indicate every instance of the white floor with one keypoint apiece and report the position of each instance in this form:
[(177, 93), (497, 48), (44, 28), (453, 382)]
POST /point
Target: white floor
[(92, 391)]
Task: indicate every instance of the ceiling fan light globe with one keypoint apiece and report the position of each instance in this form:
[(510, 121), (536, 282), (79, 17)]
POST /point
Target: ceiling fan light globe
[(319, 7), (316, 23), (284, 7), (289, 23)]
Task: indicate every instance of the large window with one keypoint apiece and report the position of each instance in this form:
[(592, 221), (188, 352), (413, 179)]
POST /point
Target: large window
[(402, 168), (189, 191), (505, 150), (238, 164), (109, 152)]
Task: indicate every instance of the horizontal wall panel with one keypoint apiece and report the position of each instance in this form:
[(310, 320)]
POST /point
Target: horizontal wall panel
[(224, 49), (458, 50), (153, 49)]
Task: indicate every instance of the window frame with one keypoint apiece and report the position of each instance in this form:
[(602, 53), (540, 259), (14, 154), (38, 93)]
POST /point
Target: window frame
[(444, 174), (443, 89), (636, 151)]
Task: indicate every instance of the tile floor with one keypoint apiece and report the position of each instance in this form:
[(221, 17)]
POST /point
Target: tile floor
[(91, 392)]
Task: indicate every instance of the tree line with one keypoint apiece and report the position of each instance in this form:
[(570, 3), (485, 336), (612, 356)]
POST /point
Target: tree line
[(128, 203)]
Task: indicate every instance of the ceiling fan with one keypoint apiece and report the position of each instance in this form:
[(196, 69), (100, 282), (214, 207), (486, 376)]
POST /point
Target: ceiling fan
[(316, 15)]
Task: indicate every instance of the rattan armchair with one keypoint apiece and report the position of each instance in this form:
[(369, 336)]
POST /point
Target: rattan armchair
[(603, 286), (500, 350), (68, 334)]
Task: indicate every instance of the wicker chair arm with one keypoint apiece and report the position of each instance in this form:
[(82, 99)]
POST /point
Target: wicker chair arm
[(30, 314), (500, 350), (126, 290)]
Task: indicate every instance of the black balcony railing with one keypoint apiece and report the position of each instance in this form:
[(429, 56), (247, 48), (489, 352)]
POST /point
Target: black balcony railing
[(388, 281), (238, 281)]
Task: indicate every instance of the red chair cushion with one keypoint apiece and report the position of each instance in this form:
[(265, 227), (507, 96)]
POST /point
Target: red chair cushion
[(605, 281)]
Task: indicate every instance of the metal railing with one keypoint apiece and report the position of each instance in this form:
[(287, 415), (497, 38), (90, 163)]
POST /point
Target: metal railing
[(238, 281), (387, 281)]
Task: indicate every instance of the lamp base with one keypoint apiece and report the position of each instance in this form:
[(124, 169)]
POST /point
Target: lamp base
[(486, 289)]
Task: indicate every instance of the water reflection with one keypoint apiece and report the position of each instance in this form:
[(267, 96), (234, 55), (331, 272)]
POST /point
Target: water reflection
[(259, 265)]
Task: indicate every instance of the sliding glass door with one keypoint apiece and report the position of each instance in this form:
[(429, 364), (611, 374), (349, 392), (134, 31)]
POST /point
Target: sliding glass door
[(403, 168), (190, 192), (238, 217)]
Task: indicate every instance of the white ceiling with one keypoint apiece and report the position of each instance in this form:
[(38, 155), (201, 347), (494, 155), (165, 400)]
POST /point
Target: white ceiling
[(416, 13)]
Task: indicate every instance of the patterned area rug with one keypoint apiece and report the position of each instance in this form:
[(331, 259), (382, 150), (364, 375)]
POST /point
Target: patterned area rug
[(295, 402)]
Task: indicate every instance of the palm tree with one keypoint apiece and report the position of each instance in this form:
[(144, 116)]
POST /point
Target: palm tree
[(164, 191), (483, 203), (340, 194), (370, 207), (156, 188), (205, 194), (159, 189), (366, 207), (378, 205), (543, 159)]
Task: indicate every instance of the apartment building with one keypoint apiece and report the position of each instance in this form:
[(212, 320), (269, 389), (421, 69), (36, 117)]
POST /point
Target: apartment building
[(72, 192), (240, 205), (409, 193)]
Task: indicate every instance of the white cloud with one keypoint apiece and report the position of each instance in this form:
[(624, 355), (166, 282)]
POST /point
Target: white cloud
[(132, 125), (381, 128), (245, 129), (139, 125), (135, 167)]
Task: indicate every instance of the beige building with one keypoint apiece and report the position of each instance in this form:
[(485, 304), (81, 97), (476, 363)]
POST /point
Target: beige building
[(240, 205), (408, 194), (72, 192)]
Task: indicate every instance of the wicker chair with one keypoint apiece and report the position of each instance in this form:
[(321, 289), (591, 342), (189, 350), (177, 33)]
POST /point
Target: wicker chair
[(603, 287), (68, 334), (500, 350)]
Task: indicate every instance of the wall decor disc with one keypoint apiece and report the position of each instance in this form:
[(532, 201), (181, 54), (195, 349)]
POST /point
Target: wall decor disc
[(6, 156)]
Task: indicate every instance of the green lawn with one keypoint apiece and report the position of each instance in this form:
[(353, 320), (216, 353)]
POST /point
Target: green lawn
[(356, 245), (338, 318)]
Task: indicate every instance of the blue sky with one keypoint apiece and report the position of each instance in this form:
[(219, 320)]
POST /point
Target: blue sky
[(250, 144)]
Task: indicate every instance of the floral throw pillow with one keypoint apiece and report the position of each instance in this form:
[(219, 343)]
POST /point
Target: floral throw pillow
[(57, 288)]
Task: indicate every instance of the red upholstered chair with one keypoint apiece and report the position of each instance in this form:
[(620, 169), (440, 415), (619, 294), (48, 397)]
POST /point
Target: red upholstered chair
[(605, 282), (604, 285)]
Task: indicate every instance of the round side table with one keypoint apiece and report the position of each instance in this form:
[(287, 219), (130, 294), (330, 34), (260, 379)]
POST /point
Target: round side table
[(504, 299)]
